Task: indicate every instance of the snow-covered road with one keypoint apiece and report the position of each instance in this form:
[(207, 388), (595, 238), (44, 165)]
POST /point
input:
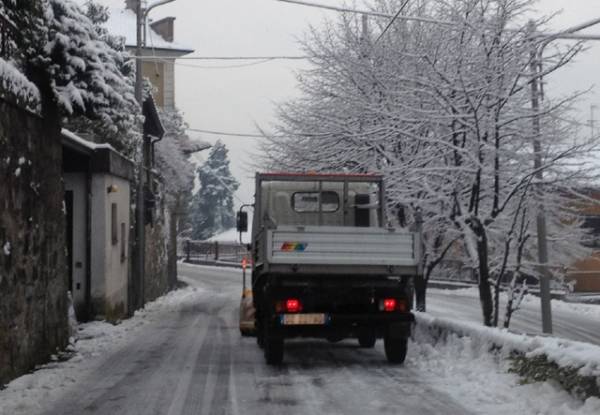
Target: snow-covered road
[(184, 355), (573, 321)]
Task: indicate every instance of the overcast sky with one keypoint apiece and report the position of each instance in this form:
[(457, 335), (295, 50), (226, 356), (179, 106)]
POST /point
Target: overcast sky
[(235, 99)]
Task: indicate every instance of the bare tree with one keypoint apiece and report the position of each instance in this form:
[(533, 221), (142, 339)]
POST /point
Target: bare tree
[(444, 112)]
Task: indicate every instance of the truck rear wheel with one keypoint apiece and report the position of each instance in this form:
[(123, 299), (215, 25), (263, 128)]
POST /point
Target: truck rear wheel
[(260, 334), (273, 350), (395, 349), (272, 344), (367, 341)]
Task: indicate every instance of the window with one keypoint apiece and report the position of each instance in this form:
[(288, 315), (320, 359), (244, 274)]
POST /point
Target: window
[(592, 225), (123, 244), (114, 224), (309, 201)]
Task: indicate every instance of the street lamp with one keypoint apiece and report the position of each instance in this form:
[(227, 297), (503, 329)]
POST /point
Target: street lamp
[(537, 96)]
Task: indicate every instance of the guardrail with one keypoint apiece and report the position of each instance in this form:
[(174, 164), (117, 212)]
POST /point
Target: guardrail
[(212, 252)]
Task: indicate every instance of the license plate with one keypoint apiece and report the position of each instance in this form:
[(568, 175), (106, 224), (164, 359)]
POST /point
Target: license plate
[(303, 319)]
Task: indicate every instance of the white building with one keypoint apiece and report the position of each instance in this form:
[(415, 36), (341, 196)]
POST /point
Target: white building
[(97, 204)]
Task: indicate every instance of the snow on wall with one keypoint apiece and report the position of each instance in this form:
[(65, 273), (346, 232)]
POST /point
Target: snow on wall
[(14, 84), (584, 357)]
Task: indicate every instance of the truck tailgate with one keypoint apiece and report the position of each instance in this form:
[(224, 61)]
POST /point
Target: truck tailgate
[(332, 245)]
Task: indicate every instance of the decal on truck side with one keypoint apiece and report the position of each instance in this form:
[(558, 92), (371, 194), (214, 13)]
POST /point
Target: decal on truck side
[(293, 246)]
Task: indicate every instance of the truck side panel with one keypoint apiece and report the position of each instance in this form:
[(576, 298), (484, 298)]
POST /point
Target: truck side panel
[(340, 246)]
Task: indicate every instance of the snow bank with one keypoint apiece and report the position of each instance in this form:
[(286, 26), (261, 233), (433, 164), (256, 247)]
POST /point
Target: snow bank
[(582, 358), (463, 368), (32, 393), (231, 236), (15, 85)]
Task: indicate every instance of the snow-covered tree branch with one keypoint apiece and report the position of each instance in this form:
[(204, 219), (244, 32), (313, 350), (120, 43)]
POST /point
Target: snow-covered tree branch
[(445, 113)]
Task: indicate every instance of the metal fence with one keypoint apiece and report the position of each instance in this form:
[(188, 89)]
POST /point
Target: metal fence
[(212, 252)]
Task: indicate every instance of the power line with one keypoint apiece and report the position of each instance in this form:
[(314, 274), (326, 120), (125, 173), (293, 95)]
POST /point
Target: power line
[(226, 58), (253, 135), (198, 130), (371, 13), (391, 22), (241, 65)]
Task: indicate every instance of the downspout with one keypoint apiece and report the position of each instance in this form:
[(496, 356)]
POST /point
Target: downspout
[(152, 142), (88, 236)]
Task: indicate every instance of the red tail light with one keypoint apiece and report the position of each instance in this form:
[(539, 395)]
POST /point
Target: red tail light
[(293, 305), (389, 304)]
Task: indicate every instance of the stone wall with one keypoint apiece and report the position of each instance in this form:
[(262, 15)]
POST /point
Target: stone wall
[(156, 282), (33, 270)]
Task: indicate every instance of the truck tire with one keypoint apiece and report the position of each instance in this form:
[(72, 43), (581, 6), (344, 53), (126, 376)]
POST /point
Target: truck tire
[(272, 345), (273, 350), (260, 340), (260, 335), (395, 349), (367, 342)]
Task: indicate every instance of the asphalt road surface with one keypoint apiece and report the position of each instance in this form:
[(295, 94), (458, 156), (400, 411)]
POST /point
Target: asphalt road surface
[(569, 324), (195, 362)]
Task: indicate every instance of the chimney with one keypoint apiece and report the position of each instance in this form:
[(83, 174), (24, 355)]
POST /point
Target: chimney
[(165, 28), (131, 4)]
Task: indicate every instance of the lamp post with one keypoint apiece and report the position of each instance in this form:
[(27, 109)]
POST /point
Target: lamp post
[(537, 96)]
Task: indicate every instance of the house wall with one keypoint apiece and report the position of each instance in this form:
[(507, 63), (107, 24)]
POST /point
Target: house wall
[(33, 266), (77, 183), (169, 95), (110, 261), (160, 70), (586, 274), (155, 72)]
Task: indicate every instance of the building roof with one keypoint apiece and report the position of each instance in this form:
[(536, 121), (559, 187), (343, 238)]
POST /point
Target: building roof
[(103, 157), (122, 22)]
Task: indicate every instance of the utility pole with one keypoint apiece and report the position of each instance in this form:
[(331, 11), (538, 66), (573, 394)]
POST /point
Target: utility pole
[(140, 205), (141, 13), (536, 67), (539, 176)]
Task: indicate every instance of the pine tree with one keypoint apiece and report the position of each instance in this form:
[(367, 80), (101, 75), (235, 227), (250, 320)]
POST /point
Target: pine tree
[(79, 69), (212, 209)]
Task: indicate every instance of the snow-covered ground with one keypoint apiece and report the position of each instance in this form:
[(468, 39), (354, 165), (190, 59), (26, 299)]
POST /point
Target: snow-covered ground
[(231, 235), (183, 354), (32, 393), (463, 367)]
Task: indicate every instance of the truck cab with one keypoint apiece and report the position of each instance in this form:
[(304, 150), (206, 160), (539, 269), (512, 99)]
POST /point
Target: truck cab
[(326, 265)]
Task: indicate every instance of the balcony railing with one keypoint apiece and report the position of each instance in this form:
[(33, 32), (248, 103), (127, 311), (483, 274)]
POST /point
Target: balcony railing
[(7, 37)]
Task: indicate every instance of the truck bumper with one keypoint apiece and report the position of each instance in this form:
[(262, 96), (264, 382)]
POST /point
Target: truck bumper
[(349, 325)]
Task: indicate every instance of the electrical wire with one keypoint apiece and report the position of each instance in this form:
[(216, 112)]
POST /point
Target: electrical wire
[(227, 58), (253, 135), (188, 65), (370, 13), (244, 135), (392, 20)]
